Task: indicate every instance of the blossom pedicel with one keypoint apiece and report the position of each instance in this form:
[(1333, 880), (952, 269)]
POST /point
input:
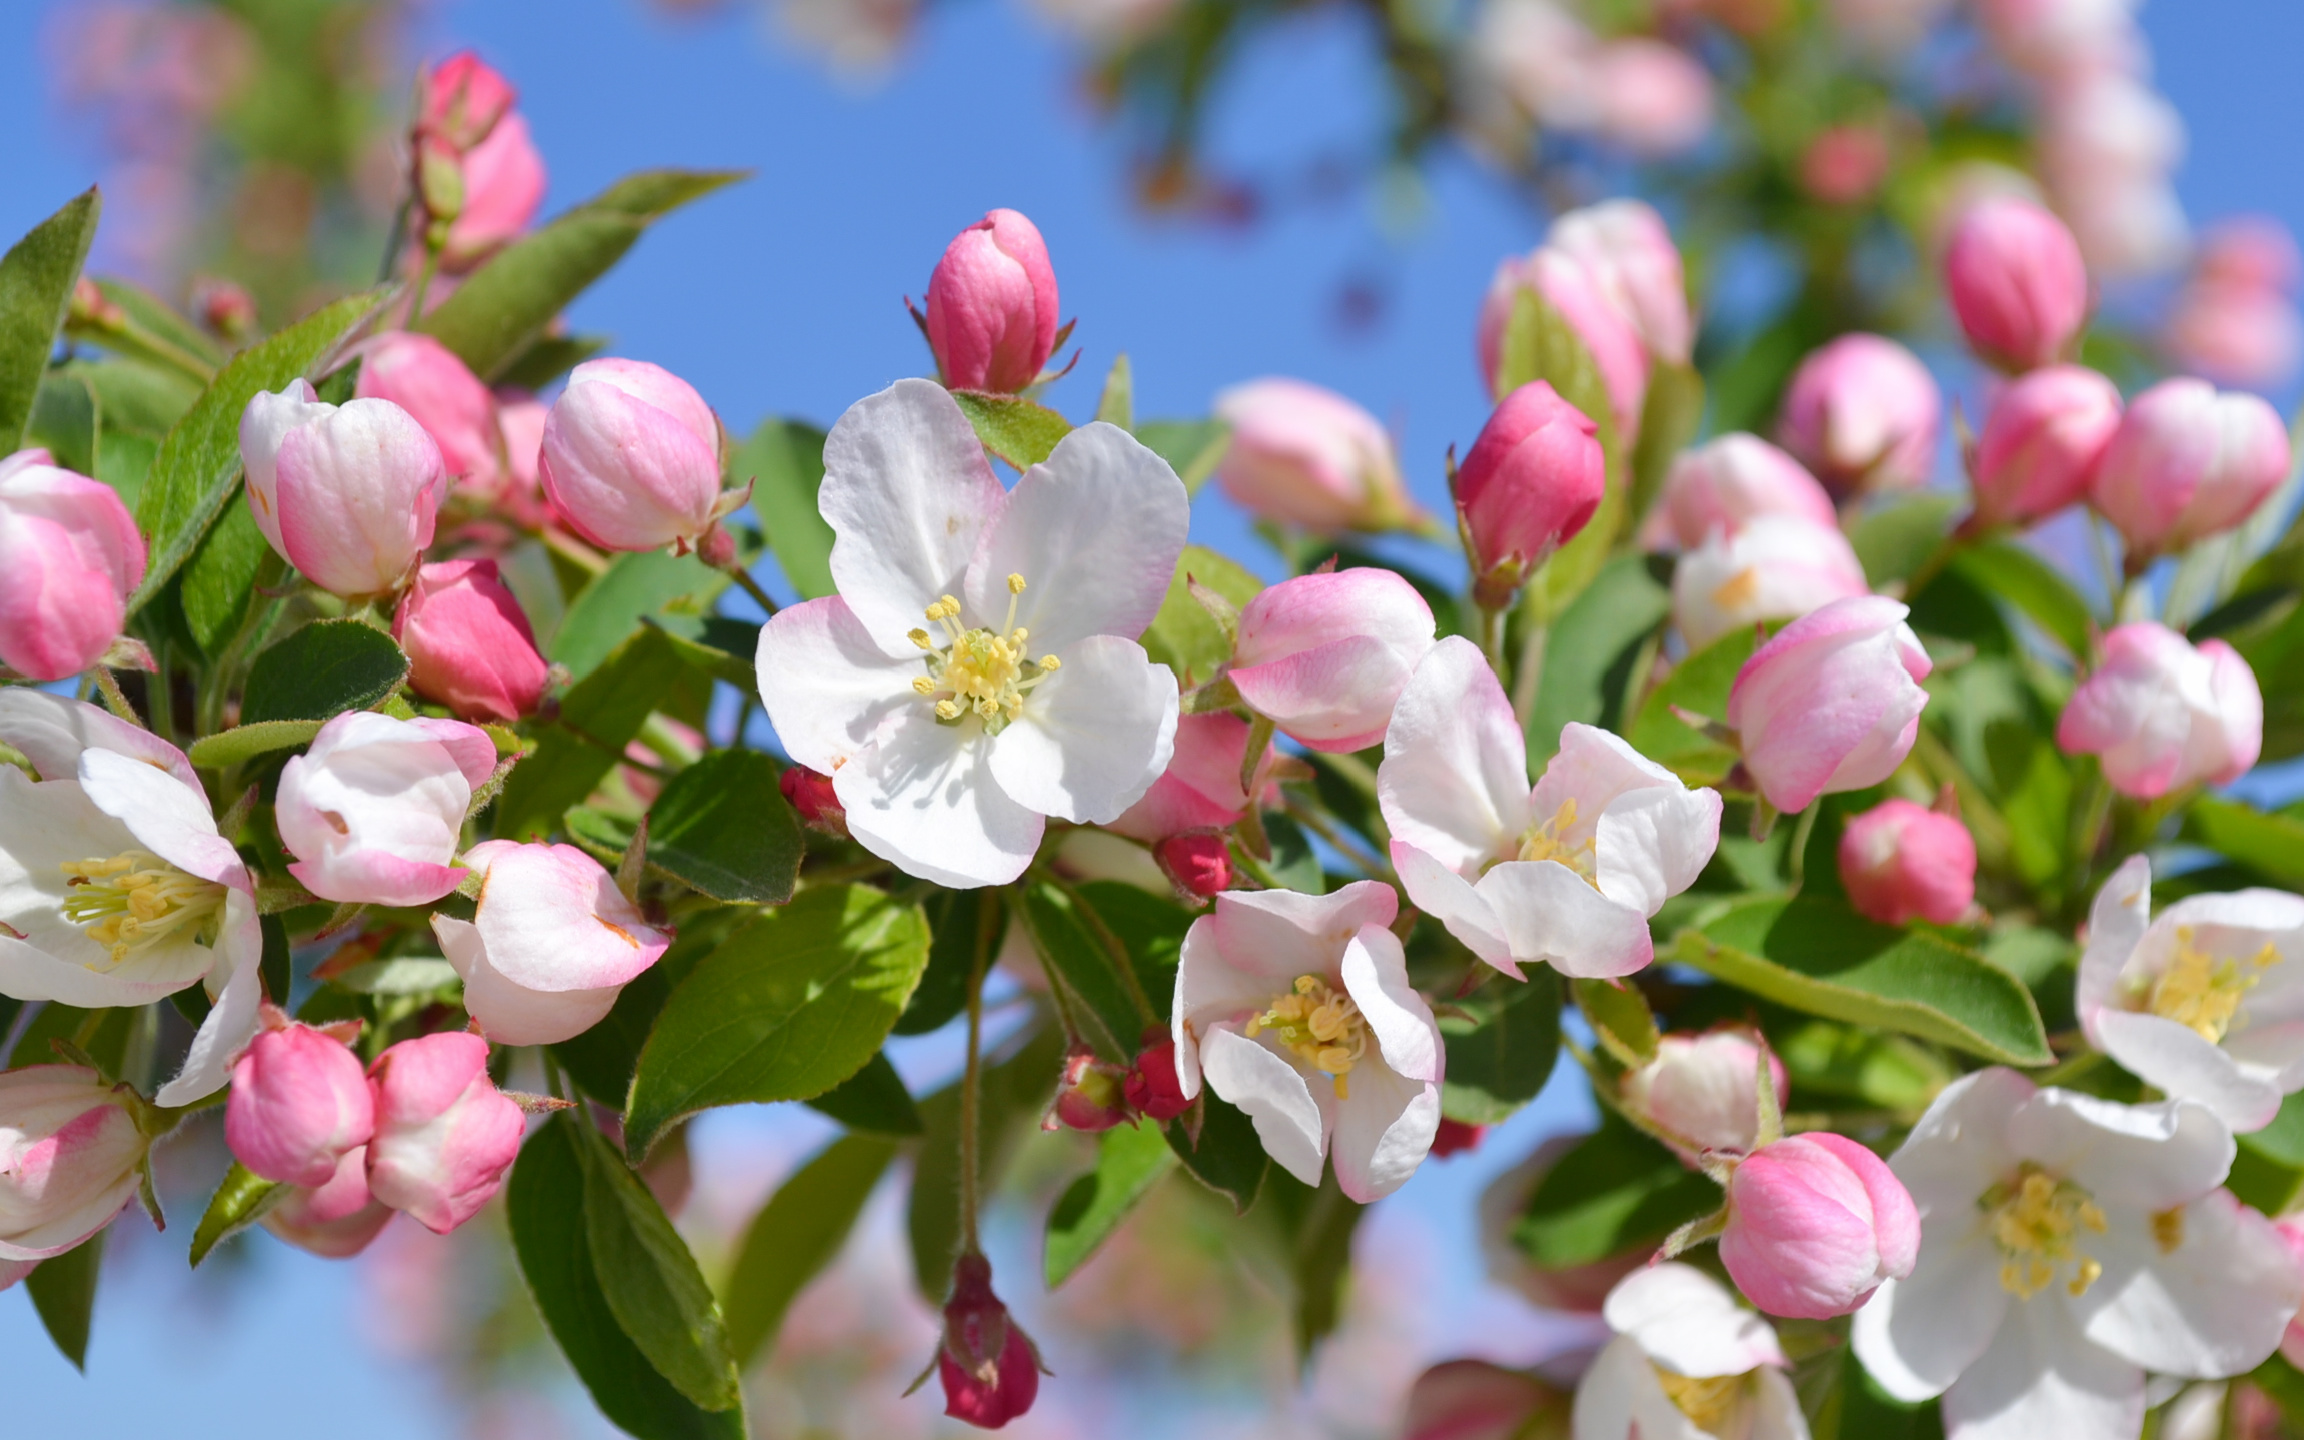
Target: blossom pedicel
[(69, 558), (992, 309)]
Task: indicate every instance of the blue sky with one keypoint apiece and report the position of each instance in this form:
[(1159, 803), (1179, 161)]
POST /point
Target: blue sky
[(783, 297)]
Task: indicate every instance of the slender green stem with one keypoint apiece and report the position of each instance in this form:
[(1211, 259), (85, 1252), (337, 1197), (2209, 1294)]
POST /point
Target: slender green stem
[(1115, 949), (1492, 637), (1796, 862), (108, 685), (423, 283), (972, 1080), (1320, 825), (751, 587)]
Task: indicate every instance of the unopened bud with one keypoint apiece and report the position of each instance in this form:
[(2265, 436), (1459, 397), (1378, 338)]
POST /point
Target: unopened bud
[(811, 794), (1199, 864), (1090, 1096), (226, 309), (989, 1366), (1152, 1087)]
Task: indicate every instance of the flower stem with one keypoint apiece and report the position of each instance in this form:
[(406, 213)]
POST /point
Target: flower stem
[(1796, 861), (423, 283), (972, 1080), (114, 700), (751, 587)]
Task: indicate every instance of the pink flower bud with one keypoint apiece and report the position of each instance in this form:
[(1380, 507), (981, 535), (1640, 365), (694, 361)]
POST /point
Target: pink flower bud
[(374, 810), (1861, 414), (1199, 864), (2159, 714), (1654, 98), (2042, 443), (1902, 862), (2255, 251), (1629, 253), (1815, 1223), (468, 642), (551, 944), (460, 100), (1088, 1094), (1845, 164), (631, 457), (1305, 456), (2235, 334), (336, 1220), (1456, 1137), (992, 306), (814, 798), (1327, 655), (70, 1156), (424, 378), (1200, 789), (1152, 1089), (1477, 1400), (69, 558), (2017, 282), (2188, 462), (346, 494), (1578, 291), (1726, 483), (300, 1100), (1704, 1090), (1530, 482), (1776, 567), (503, 179), (1831, 703), (444, 1134), (226, 309), (990, 1369)]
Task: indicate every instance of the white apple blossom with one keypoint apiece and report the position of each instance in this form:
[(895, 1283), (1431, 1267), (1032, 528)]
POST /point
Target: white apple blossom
[(1026, 695), (1687, 1363), (2068, 1245), (2207, 1001), (115, 888), (1297, 1009), (1566, 874)]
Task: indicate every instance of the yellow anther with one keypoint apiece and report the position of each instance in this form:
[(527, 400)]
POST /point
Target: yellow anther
[(2203, 992), (2168, 1229), (1545, 842), (1320, 1024), (135, 900), (981, 671), (2037, 1220), (922, 685), (947, 710), (1707, 1402), (920, 637), (1015, 584), (1050, 662)]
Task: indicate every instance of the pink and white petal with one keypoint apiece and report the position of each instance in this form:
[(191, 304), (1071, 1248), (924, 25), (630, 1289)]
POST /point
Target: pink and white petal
[(467, 745), (377, 878), (1290, 1121), (1454, 782), (510, 1014), (1273, 936), (923, 798), (2040, 1379), (1776, 1411), (2214, 1305), (1653, 842), (51, 732), (1093, 736), (1210, 990), (907, 492), (2256, 914), (2143, 1157), (1607, 1397), (232, 1019), (2187, 1066), (171, 819), (1094, 530), (1322, 696), (2269, 1049), (1689, 1323), (827, 688), (1550, 914), (1960, 1148), (552, 919), (1918, 1335), (2117, 920), (1375, 975), (1384, 1128), (1593, 767), (1449, 898), (12, 1271)]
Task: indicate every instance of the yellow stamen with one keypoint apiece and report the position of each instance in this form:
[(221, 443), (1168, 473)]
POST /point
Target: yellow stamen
[(2168, 1229), (136, 900), (982, 671), (922, 685), (1015, 584), (1708, 1401), (1050, 662), (919, 638), (1545, 843), (2037, 1220), (2202, 991), (1320, 1024)]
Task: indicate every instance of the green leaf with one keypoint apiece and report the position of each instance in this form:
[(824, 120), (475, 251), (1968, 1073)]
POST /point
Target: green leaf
[(1620, 1019), (1184, 636), (1893, 540), (221, 579), (174, 340), (796, 1234), (723, 828), (784, 462), (238, 1203), (644, 583), (1117, 405), (246, 742), (650, 1280), (788, 1007), (1315, 1227), (1614, 1192), (2018, 575), (198, 464), (1192, 448), (64, 1292), (503, 307), (1821, 958), (321, 671), (1669, 420), (1700, 685), (874, 1099), (1067, 939), (1130, 1160), (1502, 1049), (132, 396), (597, 719), (547, 358), (64, 423), (1592, 651), (943, 990), (1540, 344), (36, 277), (1225, 1155), (2271, 845), (1887, 1072), (551, 1237), (1020, 431), (1015, 1093), (1294, 863)]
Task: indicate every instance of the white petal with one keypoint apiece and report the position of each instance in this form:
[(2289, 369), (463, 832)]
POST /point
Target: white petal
[(922, 798), (1689, 1323), (510, 1014), (2215, 1305), (51, 731), (2186, 1066), (2116, 923), (1654, 842), (907, 491), (1551, 915), (232, 1020), (2041, 1380), (826, 687), (1290, 1121), (168, 816), (1094, 530), (1449, 898), (1959, 1149), (1918, 1335), (1093, 736), (2134, 1157), (1776, 1408), (1620, 1398), (1384, 1128), (1454, 782), (1375, 975)]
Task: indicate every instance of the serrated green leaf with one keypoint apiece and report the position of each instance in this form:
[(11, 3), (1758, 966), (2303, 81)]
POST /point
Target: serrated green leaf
[(245, 742), (1020, 431), (1192, 448), (597, 719), (1183, 635), (220, 580), (723, 828), (1700, 685), (783, 461), (321, 671), (1613, 1192), (651, 1282), (1065, 935), (1821, 958), (786, 1008), (1130, 1160), (2021, 577), (604, 614), (1015, 1093), (1591, 651), (796, 1234), (873, 1099), (36, 277), (238, 1203), (63, 1290), (1501, 1049)]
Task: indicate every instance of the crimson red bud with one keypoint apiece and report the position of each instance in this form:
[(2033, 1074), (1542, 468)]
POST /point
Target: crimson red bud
[(1199, 864), (989, 1367), (1152, 1087), (812, 795)]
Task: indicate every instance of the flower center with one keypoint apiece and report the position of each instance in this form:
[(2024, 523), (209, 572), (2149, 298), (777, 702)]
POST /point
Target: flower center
[(1320, 1024), (2202, 991), (1544, 843), (2037, 1220), (980, 671), (136, 900), (1707, 1401)]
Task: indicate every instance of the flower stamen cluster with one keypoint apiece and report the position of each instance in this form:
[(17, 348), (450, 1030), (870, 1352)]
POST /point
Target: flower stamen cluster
[(980, 671), (1320, 1024), (2203, 992), (135, 900), (1707, 1400), (1544, 842), (2037, 1220)]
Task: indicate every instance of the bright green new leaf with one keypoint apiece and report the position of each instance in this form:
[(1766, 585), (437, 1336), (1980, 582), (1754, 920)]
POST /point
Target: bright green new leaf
[(796, 1234), (1020, 431), (1077, 947), (1117, 405), (723, 828), (1620, 1019), (1184, 636), (1896, 539), (1501, 1048), (2271, 845), (323, 670), (1615, 1191), (1591, 656), (1699, 685), (36, 277), (238, 1203), (651, 1282), (64, 1292), (1130, 1160), (783, 461), (221, 579), (648, 582), (597, 719), (1192, 448), (246, 742), (64, 423), (2021, 577)]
